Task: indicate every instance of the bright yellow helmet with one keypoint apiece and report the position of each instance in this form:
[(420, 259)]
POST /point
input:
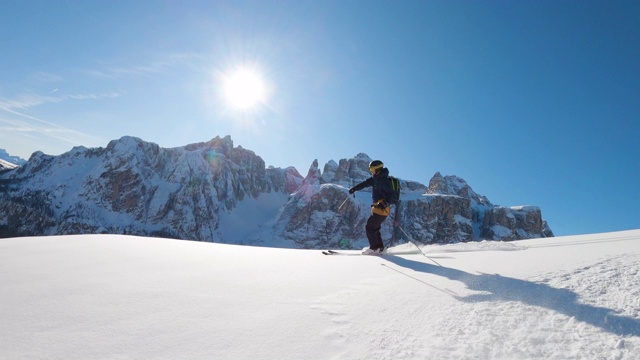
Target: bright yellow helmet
[(375, 165)]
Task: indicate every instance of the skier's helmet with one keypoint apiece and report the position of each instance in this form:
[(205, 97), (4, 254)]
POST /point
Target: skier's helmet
[(375, 166)]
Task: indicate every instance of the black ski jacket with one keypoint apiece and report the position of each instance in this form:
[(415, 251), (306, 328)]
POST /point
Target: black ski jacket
[(381, 186)]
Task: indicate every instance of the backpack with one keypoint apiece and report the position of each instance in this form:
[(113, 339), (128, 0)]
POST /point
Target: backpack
[(394, 196)]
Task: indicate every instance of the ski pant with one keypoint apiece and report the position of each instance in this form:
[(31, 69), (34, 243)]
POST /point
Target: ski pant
[(373, 231)]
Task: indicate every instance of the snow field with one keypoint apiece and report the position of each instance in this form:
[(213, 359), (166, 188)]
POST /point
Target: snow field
[(124, 297)]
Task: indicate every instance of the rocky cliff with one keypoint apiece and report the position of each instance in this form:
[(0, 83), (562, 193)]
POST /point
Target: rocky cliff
[(448, 210), (213, 191)]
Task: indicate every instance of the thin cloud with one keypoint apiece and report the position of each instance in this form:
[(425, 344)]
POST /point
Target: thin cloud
[(44, 127), (45, 77), (148, 69), (35, 125), (26, 101)]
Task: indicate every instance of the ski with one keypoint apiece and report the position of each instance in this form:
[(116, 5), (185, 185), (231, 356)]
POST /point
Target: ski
[(338, 253), (331, 252)]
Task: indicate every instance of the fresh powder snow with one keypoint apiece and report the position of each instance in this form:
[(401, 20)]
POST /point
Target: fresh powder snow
[(125, 297)]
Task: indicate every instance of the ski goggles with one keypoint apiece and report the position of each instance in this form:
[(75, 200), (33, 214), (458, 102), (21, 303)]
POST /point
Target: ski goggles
[(373, 169)]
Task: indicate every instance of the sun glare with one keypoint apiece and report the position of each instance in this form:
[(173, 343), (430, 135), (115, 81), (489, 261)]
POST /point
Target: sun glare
[(244, 89)]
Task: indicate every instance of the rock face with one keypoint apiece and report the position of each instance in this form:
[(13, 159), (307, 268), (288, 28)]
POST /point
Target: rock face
[(446, 211), (213, 191), (136, 187), (514, 223)]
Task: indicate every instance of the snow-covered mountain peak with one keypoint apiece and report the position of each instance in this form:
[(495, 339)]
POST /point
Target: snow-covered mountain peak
[(125, 144), (313, 175), (454, 185), (347, 172), (223, 145)]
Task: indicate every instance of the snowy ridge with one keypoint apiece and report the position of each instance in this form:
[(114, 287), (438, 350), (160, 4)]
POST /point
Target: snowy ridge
[(12, 160), (114, 296), (7, 165)]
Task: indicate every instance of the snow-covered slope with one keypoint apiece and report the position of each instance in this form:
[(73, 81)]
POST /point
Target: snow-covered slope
[(124, 297), (7, 165), (13, 160)]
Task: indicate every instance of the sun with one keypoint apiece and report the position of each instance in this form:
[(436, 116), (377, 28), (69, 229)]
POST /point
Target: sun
[(244, 89)]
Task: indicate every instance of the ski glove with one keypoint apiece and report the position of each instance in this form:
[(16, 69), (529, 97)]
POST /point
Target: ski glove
[(352, 190)]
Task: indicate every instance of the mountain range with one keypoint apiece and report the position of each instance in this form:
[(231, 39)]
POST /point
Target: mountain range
[(8, 161), (213, 191)]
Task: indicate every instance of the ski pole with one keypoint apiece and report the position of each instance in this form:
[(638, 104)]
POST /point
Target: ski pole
[(345, 200), (411, 241)]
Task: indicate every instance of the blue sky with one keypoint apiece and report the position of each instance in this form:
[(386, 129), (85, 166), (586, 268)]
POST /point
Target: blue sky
[(531, 102)]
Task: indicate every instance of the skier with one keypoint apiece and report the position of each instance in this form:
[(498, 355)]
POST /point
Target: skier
[(380, 208)]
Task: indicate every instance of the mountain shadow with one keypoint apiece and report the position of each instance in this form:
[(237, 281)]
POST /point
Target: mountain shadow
[(501, 288)]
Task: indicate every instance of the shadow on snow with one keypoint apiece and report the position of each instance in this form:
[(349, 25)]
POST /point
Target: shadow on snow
[(501, 288)]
